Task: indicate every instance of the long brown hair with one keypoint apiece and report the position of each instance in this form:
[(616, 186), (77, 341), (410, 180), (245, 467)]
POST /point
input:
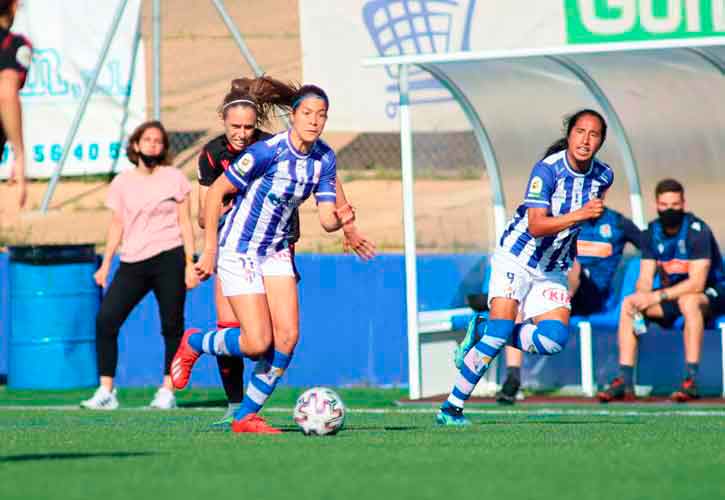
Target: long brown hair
[(262, 94), (136, 137), (6, 7)]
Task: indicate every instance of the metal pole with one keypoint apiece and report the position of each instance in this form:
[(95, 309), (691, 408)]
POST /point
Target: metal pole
[(83, 105), (219, 4), (629, 163), (156, 22), (127, 97), (411, 276), (484, 143), (246, 53)]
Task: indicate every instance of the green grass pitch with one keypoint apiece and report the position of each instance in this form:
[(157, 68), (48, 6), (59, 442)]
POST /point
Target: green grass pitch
[(528, 452)]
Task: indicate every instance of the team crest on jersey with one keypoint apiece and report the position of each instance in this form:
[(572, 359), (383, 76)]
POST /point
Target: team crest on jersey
[(536, 186), (246, 163), (696, 226), (605, 231), (24, 55)]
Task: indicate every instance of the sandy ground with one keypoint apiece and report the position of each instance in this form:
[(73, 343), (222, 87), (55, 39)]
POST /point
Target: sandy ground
[(451, 216)]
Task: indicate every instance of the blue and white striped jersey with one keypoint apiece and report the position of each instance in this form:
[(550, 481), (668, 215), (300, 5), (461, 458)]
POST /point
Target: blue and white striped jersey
[(273, 178), (559, 188)]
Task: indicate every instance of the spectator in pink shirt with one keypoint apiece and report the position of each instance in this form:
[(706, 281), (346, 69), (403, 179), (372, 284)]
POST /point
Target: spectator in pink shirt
[(152, 224)]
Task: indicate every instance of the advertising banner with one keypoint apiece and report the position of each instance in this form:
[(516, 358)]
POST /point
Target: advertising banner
[(67, 38), (337, 35)]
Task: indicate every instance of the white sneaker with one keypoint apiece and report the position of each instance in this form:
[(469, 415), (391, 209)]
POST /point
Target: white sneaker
[(164, 399), (102, 399)]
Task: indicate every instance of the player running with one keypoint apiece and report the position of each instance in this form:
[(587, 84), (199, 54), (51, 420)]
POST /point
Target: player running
[(536, 250), (269, 181), (244, 111)]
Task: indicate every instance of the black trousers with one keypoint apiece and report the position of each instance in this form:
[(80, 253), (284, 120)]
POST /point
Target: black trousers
[(164, 275)]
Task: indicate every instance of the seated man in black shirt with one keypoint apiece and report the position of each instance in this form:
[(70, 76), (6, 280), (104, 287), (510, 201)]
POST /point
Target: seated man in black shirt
[(681, 247)]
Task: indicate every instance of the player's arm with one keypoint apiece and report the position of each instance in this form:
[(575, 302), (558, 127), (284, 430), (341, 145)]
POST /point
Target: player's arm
[(354, 239), (328, 216), (202, 199), (332, 218), (213, 204), (542, 224), (205, 175), (538, 203), (11, 81)]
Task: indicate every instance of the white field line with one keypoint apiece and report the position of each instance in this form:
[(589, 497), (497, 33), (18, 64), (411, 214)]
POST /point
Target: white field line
[(540, 412)]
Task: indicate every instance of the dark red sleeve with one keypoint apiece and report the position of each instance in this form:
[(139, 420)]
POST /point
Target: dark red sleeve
[(16, 53), (207, 166)]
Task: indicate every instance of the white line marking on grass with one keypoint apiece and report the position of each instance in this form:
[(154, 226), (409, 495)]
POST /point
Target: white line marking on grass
[(522, 412)]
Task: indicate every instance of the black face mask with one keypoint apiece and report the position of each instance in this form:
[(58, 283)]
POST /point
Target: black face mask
[(151, 160), (671, 218)]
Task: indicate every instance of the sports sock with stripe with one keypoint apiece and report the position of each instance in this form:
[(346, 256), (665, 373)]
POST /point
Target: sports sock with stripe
[(478, 359), (223, 342), (267, 373)]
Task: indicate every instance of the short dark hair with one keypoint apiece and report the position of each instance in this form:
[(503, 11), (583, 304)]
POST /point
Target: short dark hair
[(669, 186), (136, 137)]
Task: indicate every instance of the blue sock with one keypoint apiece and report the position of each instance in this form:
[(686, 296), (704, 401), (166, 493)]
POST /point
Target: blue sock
[(478, 360), (627, 374), (224, 342), (548, 337), (692, 370), (267, 373)]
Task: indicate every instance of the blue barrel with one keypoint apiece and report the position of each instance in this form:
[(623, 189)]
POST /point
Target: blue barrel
[(53, 305)]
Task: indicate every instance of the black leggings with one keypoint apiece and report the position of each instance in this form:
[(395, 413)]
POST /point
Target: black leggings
[(164, 274)]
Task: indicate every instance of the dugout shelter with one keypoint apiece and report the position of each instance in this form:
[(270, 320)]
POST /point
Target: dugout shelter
[(663, 101)]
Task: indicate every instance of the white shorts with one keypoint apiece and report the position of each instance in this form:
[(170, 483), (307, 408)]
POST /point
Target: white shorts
[(243, 274), (537, 292)]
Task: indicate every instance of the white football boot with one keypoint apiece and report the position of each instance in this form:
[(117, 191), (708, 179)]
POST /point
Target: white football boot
[(164, 399), (102, 399)]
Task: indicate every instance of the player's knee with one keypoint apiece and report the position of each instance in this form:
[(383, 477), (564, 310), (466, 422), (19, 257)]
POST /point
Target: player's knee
[(690, 304), (257, 347), (551, 335), (285, 338)]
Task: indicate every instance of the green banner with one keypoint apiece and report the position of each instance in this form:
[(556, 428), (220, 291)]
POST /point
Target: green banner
[(604, 21)]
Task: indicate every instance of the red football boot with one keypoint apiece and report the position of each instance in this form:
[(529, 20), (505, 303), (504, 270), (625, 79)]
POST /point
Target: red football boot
[(687, 392), (617, 391), (254, 424), (183, 361)]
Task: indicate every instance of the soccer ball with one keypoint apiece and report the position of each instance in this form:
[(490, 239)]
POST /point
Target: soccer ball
[(319, 411)]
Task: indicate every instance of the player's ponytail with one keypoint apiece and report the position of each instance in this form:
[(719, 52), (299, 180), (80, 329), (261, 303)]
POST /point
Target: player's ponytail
[(569, 122), (262, 94), (5, 6)]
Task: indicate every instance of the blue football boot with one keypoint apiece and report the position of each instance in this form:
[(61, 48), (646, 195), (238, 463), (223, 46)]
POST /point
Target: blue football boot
[(476, 329), (451, 416)]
